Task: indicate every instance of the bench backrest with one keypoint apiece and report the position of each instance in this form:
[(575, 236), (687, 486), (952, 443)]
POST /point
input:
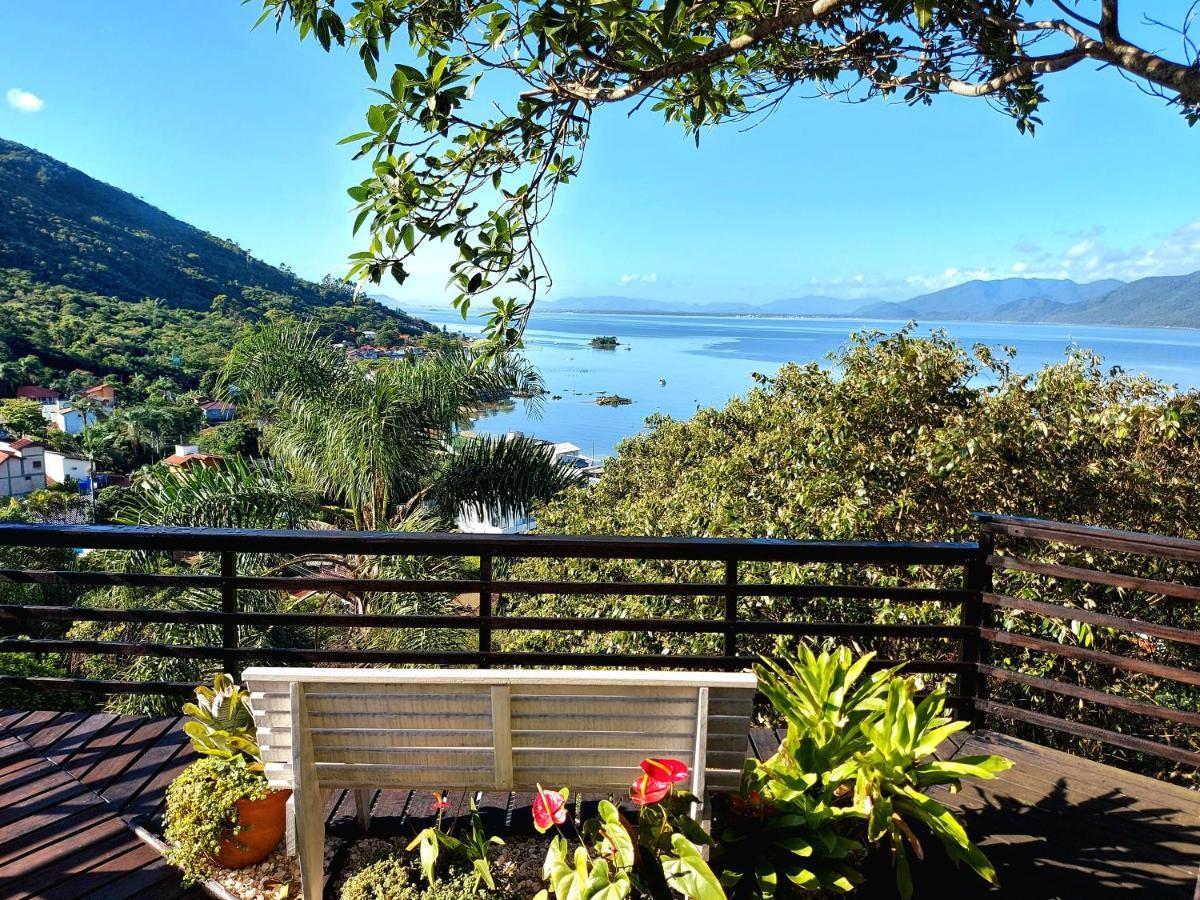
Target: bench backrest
[(499, 729)]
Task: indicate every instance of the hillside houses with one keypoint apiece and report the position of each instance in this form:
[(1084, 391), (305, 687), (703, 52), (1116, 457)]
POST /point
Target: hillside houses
[(22, 467), (189, 455), (216, 411)]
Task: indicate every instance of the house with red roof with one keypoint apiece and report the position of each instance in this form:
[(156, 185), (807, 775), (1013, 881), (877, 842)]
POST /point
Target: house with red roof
[(102, 394), (22, 467), (187, 455), (37, 392)]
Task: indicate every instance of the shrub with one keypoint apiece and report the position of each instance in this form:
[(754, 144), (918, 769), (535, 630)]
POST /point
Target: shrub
[(392, 878), (852, 771), (202, 811)]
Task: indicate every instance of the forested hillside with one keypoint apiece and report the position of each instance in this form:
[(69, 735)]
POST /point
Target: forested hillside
[(92, 277)]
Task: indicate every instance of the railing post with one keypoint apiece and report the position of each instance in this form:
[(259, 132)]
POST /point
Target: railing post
[(229, 607), (977, 580), (485, 608), (731, 607)]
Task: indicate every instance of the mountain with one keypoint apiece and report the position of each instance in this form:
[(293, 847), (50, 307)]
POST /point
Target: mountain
[(981, 300), (92, 277), (812, 306), (1172, 300)]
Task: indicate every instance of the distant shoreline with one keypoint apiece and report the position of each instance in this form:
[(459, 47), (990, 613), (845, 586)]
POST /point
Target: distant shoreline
[(549, 308), (845, 316)]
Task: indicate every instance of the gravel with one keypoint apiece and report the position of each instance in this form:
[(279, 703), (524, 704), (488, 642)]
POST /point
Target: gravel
[(516, 866)]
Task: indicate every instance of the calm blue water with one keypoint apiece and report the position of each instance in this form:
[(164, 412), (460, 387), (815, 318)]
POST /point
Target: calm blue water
[(706, 360)]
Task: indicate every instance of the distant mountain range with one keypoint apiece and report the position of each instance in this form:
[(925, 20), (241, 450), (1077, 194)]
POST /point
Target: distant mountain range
[(1172, 301)]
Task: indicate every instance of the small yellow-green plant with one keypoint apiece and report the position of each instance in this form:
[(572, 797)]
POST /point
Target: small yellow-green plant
[(222, 722), (202, 810)]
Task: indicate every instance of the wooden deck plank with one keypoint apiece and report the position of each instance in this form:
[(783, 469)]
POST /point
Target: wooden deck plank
[(122, 756), (32, 724), (58, 839), (67, 861), (145, 805), (126, 864), (87, 730), (52, 733), (101, 743), (58, 823), (9, 717), (123, 790)]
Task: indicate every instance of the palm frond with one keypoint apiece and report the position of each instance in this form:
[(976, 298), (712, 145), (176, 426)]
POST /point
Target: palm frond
[(499, 476)]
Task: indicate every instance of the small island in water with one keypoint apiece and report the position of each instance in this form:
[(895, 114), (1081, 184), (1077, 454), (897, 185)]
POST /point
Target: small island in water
[(613, 400), (605, 343)]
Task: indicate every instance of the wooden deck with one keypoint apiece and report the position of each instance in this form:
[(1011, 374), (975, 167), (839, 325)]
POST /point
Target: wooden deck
[(74, 787)]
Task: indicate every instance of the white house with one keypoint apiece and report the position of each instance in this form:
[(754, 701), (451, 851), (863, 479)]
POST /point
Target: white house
[(66, 418), (61, 466), (22, 467)]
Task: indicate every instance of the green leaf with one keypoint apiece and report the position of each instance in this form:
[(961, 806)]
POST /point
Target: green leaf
[(924, 11), (688, 873)]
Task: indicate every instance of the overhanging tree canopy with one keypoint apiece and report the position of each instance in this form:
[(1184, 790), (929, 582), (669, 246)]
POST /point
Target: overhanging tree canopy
[(483, 175)]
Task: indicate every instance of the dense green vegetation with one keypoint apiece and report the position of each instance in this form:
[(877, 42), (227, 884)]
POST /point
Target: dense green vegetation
[(93, 278), (904, 439)]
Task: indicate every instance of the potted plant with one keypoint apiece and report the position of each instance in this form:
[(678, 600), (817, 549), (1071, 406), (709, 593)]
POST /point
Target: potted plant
[(220, 810)]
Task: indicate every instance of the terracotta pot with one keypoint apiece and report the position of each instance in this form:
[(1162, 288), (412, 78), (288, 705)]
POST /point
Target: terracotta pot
[(263, 822)]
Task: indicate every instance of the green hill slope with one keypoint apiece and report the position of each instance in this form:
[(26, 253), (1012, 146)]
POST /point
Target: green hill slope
[(1171, 300), (93, 277)]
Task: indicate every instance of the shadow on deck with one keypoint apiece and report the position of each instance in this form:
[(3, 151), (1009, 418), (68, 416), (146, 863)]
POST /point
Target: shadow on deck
[(75, 788)]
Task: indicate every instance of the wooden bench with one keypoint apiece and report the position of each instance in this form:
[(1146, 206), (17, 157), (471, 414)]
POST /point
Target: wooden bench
[(487, 730)]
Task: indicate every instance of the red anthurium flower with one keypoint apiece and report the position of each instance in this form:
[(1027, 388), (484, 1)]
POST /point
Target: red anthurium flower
[(549, 809), (438, 803), (672, 771), (646, 791)]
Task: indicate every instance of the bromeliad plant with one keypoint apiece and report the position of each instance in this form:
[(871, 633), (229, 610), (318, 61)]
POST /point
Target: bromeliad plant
[(852, 771), (658, 858), (222, 722)]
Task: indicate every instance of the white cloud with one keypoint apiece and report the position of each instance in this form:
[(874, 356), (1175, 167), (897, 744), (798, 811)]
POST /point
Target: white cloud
[(1079, 249), (649, 278), (24, 100), (1019, 267)]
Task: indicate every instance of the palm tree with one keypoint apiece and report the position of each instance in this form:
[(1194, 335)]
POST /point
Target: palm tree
[(382, 441), (242, 494)]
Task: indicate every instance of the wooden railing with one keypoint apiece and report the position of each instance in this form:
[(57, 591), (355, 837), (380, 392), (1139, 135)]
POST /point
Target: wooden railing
[(1154, 659), (985, 593), (728, 555)]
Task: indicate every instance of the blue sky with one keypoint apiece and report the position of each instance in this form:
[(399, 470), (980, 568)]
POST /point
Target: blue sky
[(235, 131)]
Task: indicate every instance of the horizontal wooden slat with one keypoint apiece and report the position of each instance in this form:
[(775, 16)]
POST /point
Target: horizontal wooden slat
[(1076, 614), (393, 738), (674, 742), (1090, 536), (332, 775), (25, 617), (557, 758), (1128, 742), (117, 537), (1103, 698), (97, 686), (618, 779), (1093, 576), (1129, 664), (433, 758)]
